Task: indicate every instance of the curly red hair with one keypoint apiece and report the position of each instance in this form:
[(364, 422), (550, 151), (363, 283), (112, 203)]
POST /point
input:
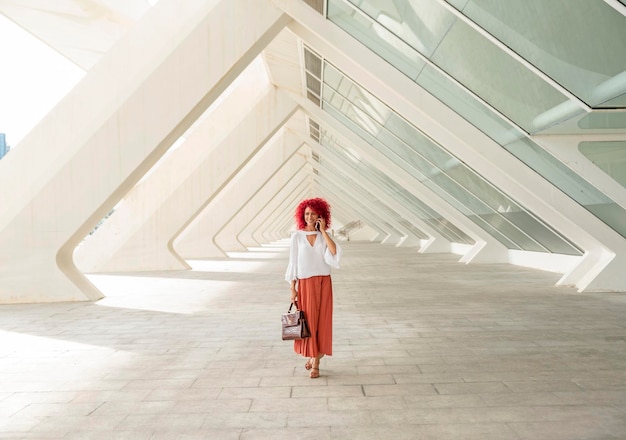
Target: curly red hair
[(320, 206)]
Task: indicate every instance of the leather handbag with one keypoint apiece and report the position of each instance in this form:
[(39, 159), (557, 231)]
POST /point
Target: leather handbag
[(294, 325)]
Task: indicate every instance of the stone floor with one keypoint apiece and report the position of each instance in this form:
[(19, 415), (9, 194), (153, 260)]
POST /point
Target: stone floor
[(425, 348)]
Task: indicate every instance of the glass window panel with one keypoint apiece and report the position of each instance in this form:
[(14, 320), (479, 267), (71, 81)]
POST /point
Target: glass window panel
[(420, 24), (525, 149), (376, 37), (313, 83), (571, 183), (394, 190), (529, 152), (428, 215), (510, 87), (509, 136), (603, 120), (313, 98), (581, 44), (610, 157), (468, 188), (473, 110), (406, 133), (545, 164), (431, 30), (410, 149)]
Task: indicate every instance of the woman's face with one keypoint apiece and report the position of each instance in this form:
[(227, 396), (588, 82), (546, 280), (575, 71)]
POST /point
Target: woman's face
[(310, 217)]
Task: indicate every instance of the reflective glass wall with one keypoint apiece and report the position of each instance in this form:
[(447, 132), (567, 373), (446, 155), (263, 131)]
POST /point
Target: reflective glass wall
[(350, 160), (451, 50), (434, 167)]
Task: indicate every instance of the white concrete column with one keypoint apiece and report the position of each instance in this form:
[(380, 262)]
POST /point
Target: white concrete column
[(263, 229), (159, 209), (227, 238), (201, 238), (601, 269), (72, 169), (277, 209)]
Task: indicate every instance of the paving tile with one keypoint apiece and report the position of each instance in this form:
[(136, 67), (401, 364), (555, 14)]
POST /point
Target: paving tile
[(290, 404), (299, 433), (306, 418), (58, 409), (197, 434), (159, 422), (322, 390), (63, 423), (573, 430), (471, 388), (449, 431), (182, 394), (366, 403), (128, 408), (398, 389), (254, 392), (444, 401), (245, 420), (428, 378), (211, 406), (544, 385), (147, 434)]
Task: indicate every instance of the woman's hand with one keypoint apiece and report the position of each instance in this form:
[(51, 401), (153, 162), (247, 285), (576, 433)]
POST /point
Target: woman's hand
[(332, 247)]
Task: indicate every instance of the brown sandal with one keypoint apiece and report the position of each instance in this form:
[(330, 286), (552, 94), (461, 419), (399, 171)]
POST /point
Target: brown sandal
[(315, 373), (309, 364)]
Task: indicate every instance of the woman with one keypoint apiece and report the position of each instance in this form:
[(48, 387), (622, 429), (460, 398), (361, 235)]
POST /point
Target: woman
[(312, 254)]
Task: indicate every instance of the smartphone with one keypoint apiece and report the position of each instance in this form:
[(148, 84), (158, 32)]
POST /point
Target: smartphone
[(317, 225)]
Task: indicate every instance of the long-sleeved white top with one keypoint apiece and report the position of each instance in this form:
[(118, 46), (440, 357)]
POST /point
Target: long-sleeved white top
[(306, 260)]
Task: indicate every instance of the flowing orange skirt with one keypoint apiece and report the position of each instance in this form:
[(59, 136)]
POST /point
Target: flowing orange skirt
[(315, 299)]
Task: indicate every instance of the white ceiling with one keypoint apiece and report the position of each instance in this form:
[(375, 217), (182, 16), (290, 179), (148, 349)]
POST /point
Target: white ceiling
[(81, 30)]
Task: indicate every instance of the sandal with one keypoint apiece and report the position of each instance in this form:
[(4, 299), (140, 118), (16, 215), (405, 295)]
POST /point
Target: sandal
[(309, 364), (315, 373)]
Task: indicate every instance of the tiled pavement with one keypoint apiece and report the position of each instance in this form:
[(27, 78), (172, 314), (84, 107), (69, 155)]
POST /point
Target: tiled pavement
[(425, 348)]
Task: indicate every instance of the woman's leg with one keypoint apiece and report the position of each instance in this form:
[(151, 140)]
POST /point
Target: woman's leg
[(315, 369)]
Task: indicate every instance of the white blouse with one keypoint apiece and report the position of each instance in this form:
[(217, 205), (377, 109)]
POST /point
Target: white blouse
[(306, 260)]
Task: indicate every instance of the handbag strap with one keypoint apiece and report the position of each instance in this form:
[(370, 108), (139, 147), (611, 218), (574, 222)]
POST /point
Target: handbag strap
[(291, 305)]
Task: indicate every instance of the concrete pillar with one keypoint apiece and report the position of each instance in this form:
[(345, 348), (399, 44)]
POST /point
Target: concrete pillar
[(72, 169), (215, 230), (140, 235)]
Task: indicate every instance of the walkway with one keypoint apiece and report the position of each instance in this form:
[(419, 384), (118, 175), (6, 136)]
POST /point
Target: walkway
[(425, 348)]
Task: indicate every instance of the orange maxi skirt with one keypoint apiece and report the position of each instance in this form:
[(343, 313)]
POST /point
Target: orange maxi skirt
[(315, 299)]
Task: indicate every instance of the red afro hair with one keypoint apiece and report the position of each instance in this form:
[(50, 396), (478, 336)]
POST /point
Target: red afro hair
[(320, 206)]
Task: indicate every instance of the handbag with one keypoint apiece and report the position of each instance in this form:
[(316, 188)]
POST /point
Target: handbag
[(294, 325)]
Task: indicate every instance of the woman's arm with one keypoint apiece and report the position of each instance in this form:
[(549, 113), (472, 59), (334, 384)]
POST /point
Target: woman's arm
[(294, 292), (332, 247)]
